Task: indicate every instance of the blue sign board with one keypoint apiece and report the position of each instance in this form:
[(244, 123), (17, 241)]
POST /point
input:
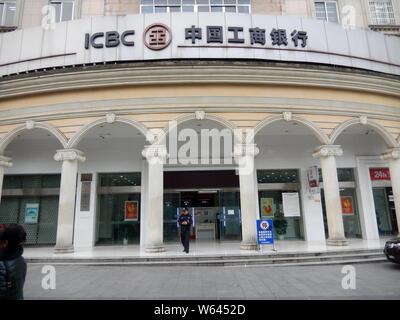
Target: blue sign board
[(265, 231)]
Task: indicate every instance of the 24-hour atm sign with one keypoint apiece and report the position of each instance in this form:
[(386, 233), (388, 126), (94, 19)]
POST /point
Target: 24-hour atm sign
[(158, 36)]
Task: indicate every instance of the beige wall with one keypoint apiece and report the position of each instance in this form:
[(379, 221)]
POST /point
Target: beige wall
[(31, 13), (120, 7), (272, 7), (157, 115)]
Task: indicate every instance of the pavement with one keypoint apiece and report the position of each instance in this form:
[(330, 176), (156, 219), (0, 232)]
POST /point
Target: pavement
[(372, 280)]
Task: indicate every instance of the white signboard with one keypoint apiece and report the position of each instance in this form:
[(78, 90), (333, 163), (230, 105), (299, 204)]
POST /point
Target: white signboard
[(291, 204), (196, 36)]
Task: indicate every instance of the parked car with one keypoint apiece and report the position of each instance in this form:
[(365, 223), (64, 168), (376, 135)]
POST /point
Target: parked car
[(392, 250)]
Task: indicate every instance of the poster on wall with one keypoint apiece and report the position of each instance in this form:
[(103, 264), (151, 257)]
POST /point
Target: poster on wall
[(313, 179), (347, 205), (131, 211), (31, 213), (291, 204), (267, 207)]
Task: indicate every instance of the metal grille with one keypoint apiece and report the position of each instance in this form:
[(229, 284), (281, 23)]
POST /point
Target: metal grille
[(13, 207), (381, 12)]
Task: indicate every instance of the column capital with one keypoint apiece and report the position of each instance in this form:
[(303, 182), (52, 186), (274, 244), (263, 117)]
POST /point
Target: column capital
[(69, 154), (5, 162), (155, 152), (245, 149), (327, 151), (391, 154)]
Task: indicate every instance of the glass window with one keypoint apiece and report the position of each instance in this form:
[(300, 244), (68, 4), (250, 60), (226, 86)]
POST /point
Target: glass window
[(203, 9), (147, 9), (8, 11), (381, 12), (344, 174), (230, 9), (242, 6), (271, 207), (244, 9), (64, 10), (326, 10), (120, 179), (160, 9), (278, 176), (216, 9), (175, 9), (188, 8)]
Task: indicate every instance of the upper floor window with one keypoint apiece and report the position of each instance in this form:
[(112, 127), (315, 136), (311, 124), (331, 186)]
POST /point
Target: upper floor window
[(326, 10), (155, 6), (8, 10), (381, 12), (64, 10)]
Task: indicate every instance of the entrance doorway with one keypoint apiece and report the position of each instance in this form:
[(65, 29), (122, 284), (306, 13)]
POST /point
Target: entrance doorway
[(213, 199), (385, 211)]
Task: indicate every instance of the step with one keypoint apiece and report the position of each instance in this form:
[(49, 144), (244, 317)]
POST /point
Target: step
[(217, 261), (259, 256)]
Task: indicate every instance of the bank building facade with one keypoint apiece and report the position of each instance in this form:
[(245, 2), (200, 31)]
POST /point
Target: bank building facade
[(105, 107)]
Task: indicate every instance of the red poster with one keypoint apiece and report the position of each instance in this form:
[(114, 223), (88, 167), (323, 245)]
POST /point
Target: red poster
[(347, 205), (131, 211), (379, 174)]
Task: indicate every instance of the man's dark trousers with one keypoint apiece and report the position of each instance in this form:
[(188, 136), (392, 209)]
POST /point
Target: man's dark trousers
[(185, 234)]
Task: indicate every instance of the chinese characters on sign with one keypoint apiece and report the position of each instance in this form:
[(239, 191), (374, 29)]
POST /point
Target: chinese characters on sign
[(265, 231), (158, 36), (278, 37)]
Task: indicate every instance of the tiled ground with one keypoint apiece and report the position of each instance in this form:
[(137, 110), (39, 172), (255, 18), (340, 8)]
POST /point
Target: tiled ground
[(373, 281)]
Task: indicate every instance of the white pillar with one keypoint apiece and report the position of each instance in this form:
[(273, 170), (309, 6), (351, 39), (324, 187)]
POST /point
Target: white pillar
[(154, 215), (143, 201), (244, 156), (4, 162), (393, 157), (327, 154), (66, 206)]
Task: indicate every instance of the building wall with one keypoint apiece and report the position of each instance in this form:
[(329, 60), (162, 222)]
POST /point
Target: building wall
[(31, 9)]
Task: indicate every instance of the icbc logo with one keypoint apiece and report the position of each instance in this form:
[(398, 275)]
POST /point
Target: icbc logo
[(157, 36)]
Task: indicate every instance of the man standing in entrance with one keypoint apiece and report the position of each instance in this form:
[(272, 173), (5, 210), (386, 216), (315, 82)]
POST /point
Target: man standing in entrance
[(185, 222)]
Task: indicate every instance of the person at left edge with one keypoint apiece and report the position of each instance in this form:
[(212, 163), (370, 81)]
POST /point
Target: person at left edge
[(185, 222)]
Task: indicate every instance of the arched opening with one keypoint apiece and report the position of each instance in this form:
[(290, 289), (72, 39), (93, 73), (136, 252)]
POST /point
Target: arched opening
[(30, 191), (109, 198), (200, 175), (285, 157), (371, 196)]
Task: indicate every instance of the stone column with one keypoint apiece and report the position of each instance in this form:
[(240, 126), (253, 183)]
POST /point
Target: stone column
[(393, 157), (154, 215), (5, 162), (66, 206), (327, 155), (244, 155)]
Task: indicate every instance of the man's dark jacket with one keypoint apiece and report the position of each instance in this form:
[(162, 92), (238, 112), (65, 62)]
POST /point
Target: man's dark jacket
[(12, 274)]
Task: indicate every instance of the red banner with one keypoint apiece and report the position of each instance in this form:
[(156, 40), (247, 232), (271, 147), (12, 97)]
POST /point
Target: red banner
[(379, 174)]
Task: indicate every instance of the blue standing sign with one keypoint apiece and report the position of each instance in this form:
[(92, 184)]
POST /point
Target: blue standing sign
[(265, 231)]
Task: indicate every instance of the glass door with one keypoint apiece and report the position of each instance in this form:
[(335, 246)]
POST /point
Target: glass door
[(383, 220), (172, 202)]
